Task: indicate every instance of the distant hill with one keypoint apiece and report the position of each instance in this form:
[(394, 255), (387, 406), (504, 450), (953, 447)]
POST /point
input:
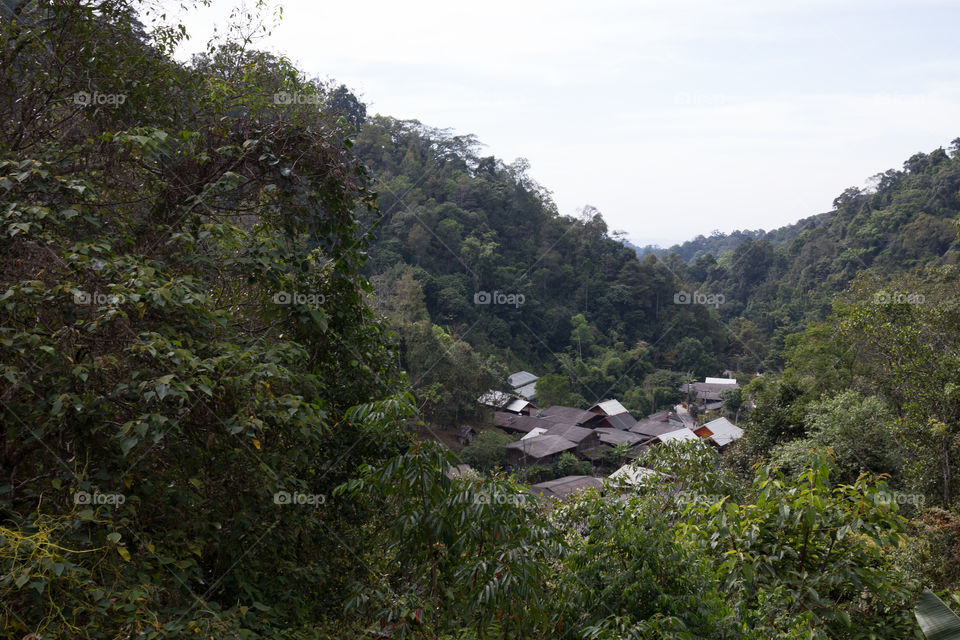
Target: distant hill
[(783, 279), (718, 243), (457, 224)]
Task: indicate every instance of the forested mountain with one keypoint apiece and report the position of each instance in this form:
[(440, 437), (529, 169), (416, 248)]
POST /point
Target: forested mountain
[(787, 278), (456, 224), (581, 304), (231, 305), (716, 243)]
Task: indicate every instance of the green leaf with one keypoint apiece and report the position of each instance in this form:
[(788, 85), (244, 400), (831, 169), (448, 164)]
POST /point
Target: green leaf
[(114, 537), (936, 620), (128, 443)]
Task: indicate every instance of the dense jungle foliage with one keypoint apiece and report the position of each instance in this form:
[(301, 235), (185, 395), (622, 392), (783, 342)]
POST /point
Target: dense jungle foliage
[(230, 299)]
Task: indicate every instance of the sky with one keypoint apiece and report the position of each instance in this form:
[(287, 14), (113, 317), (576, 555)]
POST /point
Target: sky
[(674, 118)]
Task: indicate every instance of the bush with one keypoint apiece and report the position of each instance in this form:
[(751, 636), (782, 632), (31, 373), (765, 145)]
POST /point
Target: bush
[(486, 452)]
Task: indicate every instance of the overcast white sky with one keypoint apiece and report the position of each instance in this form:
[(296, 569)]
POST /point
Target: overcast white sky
[(674, 117)]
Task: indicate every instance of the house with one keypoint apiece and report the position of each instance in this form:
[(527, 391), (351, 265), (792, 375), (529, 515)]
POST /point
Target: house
[(571, 415), (709, 390), (677, 435), (666, 416), (653, 428), (622, 421), (613, 437), (542, 449), (521, 378), (521, 407), (524, 384), (608, 408), (495, 399), (513, 423), (614, 415), (536, 431), (720, 432), (564, 487), (632, 474), (584, 438)]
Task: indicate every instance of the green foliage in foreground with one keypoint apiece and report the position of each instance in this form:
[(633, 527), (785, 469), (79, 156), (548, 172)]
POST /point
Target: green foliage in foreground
[(189, 366), (703, 555)]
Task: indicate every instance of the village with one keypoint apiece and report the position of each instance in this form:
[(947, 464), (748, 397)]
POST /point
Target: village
[(605, 440)]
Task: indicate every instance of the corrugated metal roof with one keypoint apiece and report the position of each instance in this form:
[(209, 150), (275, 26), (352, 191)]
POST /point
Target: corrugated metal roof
[(533, 433), (724, 381), (528, 391), (724, 431), (679, 434), (610, 407), (521, 378), (495, 399), (517, 405)]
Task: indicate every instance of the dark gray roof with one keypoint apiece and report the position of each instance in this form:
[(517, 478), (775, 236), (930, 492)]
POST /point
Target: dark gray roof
[(569, 431), (622, 421), (616, 436), (570, 415), (524, 424), (563, 487), (541, 446), (652, 427)]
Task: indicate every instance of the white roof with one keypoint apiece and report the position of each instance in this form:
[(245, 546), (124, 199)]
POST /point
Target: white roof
[(536, 431), (521, 378), (494, 398), (517, 405), (632, 474), (724, 431), (719, 381), (612, 407), (679, 434), (528, 391)]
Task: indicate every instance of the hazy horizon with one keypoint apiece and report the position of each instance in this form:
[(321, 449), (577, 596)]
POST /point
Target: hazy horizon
[(673, 120)]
